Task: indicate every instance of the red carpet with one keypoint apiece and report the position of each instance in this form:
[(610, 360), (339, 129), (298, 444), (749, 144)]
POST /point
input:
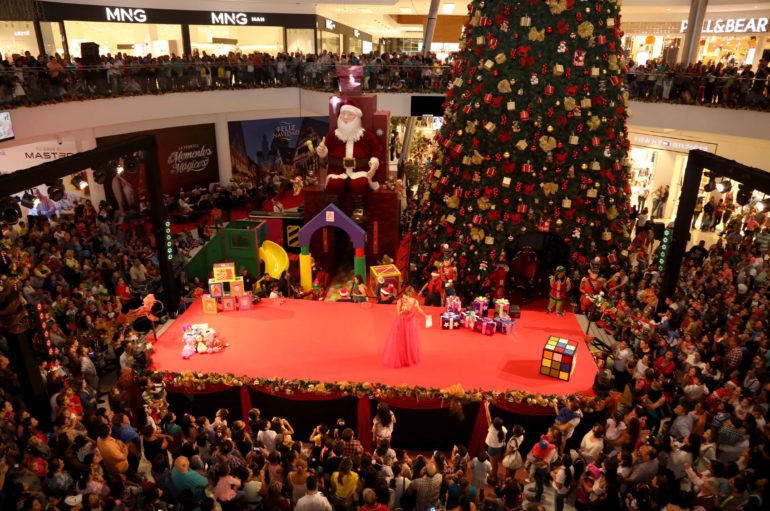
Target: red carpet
[(330, 341)]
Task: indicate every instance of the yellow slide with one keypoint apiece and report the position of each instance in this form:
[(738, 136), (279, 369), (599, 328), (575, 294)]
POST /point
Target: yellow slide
[(275, 257)]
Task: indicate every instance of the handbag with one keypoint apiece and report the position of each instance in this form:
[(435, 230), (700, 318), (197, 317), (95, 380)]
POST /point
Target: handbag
[(513, 460)]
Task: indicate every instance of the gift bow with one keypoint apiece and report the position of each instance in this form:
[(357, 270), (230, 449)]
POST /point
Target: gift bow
[(550, 188)]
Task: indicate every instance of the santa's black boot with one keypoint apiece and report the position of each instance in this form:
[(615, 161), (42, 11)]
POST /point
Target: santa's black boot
[(359, 209)]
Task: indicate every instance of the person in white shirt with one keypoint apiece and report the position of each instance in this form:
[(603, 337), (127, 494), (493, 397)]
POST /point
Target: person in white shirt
[(313, 500), (592, 444), (266, 435), (696, 391), (495, 440)]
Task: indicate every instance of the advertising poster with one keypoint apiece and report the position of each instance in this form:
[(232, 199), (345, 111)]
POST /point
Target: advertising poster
[(274, 151), (188, 160)]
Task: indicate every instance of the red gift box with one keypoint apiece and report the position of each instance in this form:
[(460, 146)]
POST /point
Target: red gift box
[(549, 90), (245, 303), (228, 303), (595, 141), (526, 168), (524, 115)]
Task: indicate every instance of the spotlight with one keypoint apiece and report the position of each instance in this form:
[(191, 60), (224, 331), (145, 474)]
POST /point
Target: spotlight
[(79, 182), (132, 164), (710, 186), (11, 212), (743, 196), (100, 175), (56, 190), (724, 186), (29, 201)]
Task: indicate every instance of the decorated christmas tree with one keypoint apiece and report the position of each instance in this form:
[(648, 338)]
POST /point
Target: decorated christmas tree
[(534, 139)]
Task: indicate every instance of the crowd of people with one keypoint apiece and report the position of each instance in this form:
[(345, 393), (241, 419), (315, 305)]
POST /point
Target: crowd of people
[(26, 80), (686, 426), (715, 84)]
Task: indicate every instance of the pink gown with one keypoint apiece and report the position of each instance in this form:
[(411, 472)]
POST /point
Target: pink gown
[(403, 346)]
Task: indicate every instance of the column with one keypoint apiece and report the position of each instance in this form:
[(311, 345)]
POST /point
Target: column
[(694, 27), (223, 149)]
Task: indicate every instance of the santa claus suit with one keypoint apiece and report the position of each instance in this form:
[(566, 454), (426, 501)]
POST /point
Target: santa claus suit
[(590, 285), (349, 160)]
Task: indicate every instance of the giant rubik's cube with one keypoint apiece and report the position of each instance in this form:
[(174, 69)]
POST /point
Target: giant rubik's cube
[(227, 290), (559, 356)]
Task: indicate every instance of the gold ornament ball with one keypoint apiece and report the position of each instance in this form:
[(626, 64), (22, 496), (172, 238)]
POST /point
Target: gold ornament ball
[(558, 102), (460, 133), (549, 129), (506, 154), (584, 166)]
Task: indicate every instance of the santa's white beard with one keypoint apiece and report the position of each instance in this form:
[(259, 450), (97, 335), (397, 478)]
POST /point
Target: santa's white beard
[(349, 131)]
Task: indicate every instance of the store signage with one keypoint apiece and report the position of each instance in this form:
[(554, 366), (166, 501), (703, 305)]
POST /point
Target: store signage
[(124, 15), (235, 18), (21, 33), (731, 26), (330, 25), (677, 145), (356, 32)]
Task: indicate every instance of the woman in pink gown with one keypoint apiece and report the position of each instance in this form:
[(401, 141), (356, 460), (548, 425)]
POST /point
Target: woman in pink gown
[(403, 346)]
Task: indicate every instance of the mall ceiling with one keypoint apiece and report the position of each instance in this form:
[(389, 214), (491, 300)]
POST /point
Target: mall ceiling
[(405, 18)]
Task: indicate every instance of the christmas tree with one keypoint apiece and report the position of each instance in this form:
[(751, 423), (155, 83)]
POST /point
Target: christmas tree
[(534, 139)]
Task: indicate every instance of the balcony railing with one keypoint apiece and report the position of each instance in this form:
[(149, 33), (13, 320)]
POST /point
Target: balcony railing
[(30, 86)]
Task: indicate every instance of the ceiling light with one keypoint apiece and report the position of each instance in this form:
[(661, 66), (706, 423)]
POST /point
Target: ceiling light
[(56, 190), (448, 8), (366, 11), (405, 10)]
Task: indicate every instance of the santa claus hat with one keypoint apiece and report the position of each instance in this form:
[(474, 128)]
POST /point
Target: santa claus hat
[(385, 291), (344, 292), (351, 109), (435, 274)]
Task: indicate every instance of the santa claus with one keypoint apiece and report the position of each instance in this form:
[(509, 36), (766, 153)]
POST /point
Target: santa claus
[(354, 155)]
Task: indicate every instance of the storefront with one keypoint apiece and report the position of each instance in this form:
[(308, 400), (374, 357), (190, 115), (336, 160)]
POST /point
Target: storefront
[(139, 31), (338, 38), (658, 161), (731, 38)]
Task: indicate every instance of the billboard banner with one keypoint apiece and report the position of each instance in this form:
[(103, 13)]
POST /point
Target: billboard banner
[(275, 151), (188, 159)]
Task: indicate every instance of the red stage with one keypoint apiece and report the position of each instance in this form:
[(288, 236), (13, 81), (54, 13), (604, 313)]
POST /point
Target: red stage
[(329, 341)]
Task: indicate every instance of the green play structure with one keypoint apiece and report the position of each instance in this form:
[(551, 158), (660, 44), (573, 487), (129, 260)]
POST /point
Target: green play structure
[(243, 242)]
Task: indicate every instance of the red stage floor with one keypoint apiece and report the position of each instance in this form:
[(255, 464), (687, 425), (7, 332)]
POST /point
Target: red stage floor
[(330, 341)]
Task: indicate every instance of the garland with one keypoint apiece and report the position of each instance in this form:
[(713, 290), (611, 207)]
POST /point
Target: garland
[(187, 380)]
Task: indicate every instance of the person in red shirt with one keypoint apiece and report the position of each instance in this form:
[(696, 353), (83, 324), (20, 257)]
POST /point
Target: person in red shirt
[(665, 364), (435, 288)]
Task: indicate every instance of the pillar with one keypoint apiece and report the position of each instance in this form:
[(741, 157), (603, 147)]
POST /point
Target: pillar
[(223, 149), (305, 269), (694, 27)]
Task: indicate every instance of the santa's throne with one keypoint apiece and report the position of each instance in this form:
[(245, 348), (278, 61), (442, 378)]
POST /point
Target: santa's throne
[(381, 205)]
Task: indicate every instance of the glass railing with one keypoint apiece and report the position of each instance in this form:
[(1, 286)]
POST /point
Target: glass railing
[(30, 86)]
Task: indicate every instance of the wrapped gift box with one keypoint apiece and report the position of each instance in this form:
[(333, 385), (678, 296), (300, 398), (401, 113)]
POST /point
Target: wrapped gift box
[(504, 325), (488, 326), (216, 288), (228, 303), (453, 304), (515, 312), (477, 324), (244, 303), (450, 321), (209, 304), (480, 305), (389, 272), (559, 357), (502, 307), (468, 319)]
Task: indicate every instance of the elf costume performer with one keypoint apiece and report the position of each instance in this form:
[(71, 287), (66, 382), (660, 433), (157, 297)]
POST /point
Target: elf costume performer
[(354, 155), (560, 286), (590, 286)]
